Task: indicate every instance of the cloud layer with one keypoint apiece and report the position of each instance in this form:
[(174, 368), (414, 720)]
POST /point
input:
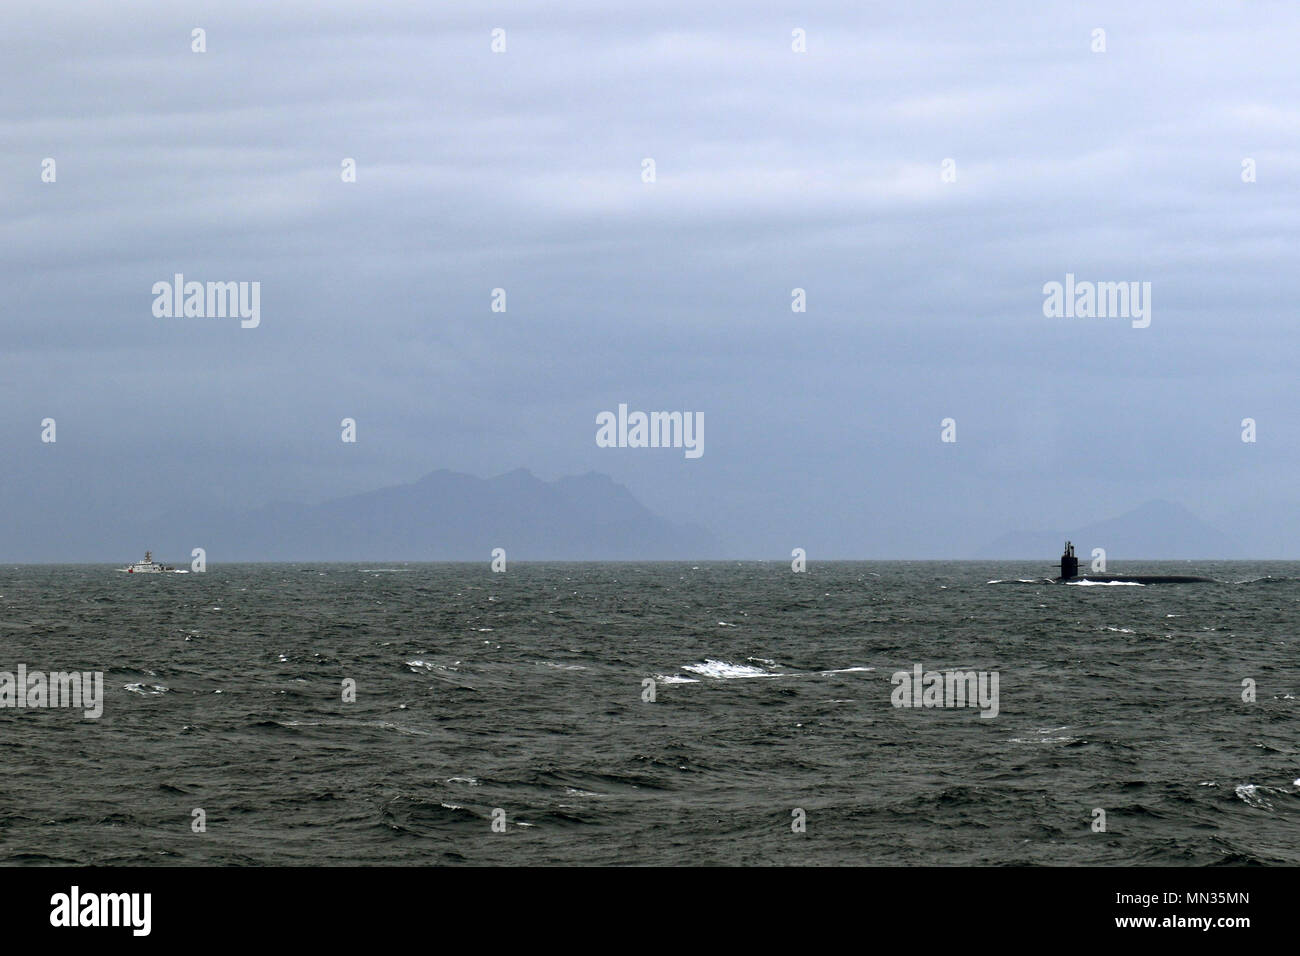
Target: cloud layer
[(775, 170)]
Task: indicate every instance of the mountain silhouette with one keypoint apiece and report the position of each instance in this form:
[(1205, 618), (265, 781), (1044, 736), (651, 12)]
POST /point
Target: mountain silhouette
[(444, 516), (1155, 530)]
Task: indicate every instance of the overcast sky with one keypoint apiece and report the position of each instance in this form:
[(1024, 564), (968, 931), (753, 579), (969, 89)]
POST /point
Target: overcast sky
[(775, 170)]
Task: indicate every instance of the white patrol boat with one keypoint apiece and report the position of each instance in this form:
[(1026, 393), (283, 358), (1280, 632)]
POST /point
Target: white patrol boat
[(147, 566)]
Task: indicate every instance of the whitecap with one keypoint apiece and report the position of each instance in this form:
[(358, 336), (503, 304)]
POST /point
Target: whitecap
[(1042, 740), (1254, 795), (725, 670), (418, 665), (1249, 792)]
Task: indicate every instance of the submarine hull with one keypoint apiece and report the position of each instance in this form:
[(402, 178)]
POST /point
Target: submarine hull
[(1135, 579), (1070, 574)]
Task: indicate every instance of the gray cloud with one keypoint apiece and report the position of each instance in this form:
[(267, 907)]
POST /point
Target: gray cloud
[(775, 170)]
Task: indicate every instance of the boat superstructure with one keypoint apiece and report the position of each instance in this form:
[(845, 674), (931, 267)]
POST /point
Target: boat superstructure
[(147, 566)]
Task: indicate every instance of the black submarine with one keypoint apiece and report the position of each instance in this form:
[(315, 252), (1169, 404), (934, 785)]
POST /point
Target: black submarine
[(1070, 573)]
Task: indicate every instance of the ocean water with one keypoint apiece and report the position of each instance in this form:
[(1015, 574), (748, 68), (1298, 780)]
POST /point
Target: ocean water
[(518, 697)]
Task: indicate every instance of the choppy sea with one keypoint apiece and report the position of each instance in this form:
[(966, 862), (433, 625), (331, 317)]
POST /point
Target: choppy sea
[(502, 718)]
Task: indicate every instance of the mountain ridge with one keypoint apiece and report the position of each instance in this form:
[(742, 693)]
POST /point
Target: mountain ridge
[(1155, 530), (441, 516)]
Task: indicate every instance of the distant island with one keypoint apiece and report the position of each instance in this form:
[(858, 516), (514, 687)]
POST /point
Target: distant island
[(1155, 530), (444, 516), (451, 516)]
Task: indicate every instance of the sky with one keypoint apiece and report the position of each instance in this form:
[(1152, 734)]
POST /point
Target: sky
[(775, 170)]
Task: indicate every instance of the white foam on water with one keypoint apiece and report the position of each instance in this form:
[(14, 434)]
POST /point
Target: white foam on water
[(1253, 794), (1250, 793), (1105, 584), (725, 670), (347, 722), (1042, 740), (418, 665)]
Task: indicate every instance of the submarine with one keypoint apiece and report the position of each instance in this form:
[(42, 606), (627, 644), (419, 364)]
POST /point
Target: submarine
[(1070, 573)]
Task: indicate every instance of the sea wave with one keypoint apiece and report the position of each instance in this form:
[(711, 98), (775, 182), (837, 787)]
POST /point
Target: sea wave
[(725, 670), (714, 669)]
